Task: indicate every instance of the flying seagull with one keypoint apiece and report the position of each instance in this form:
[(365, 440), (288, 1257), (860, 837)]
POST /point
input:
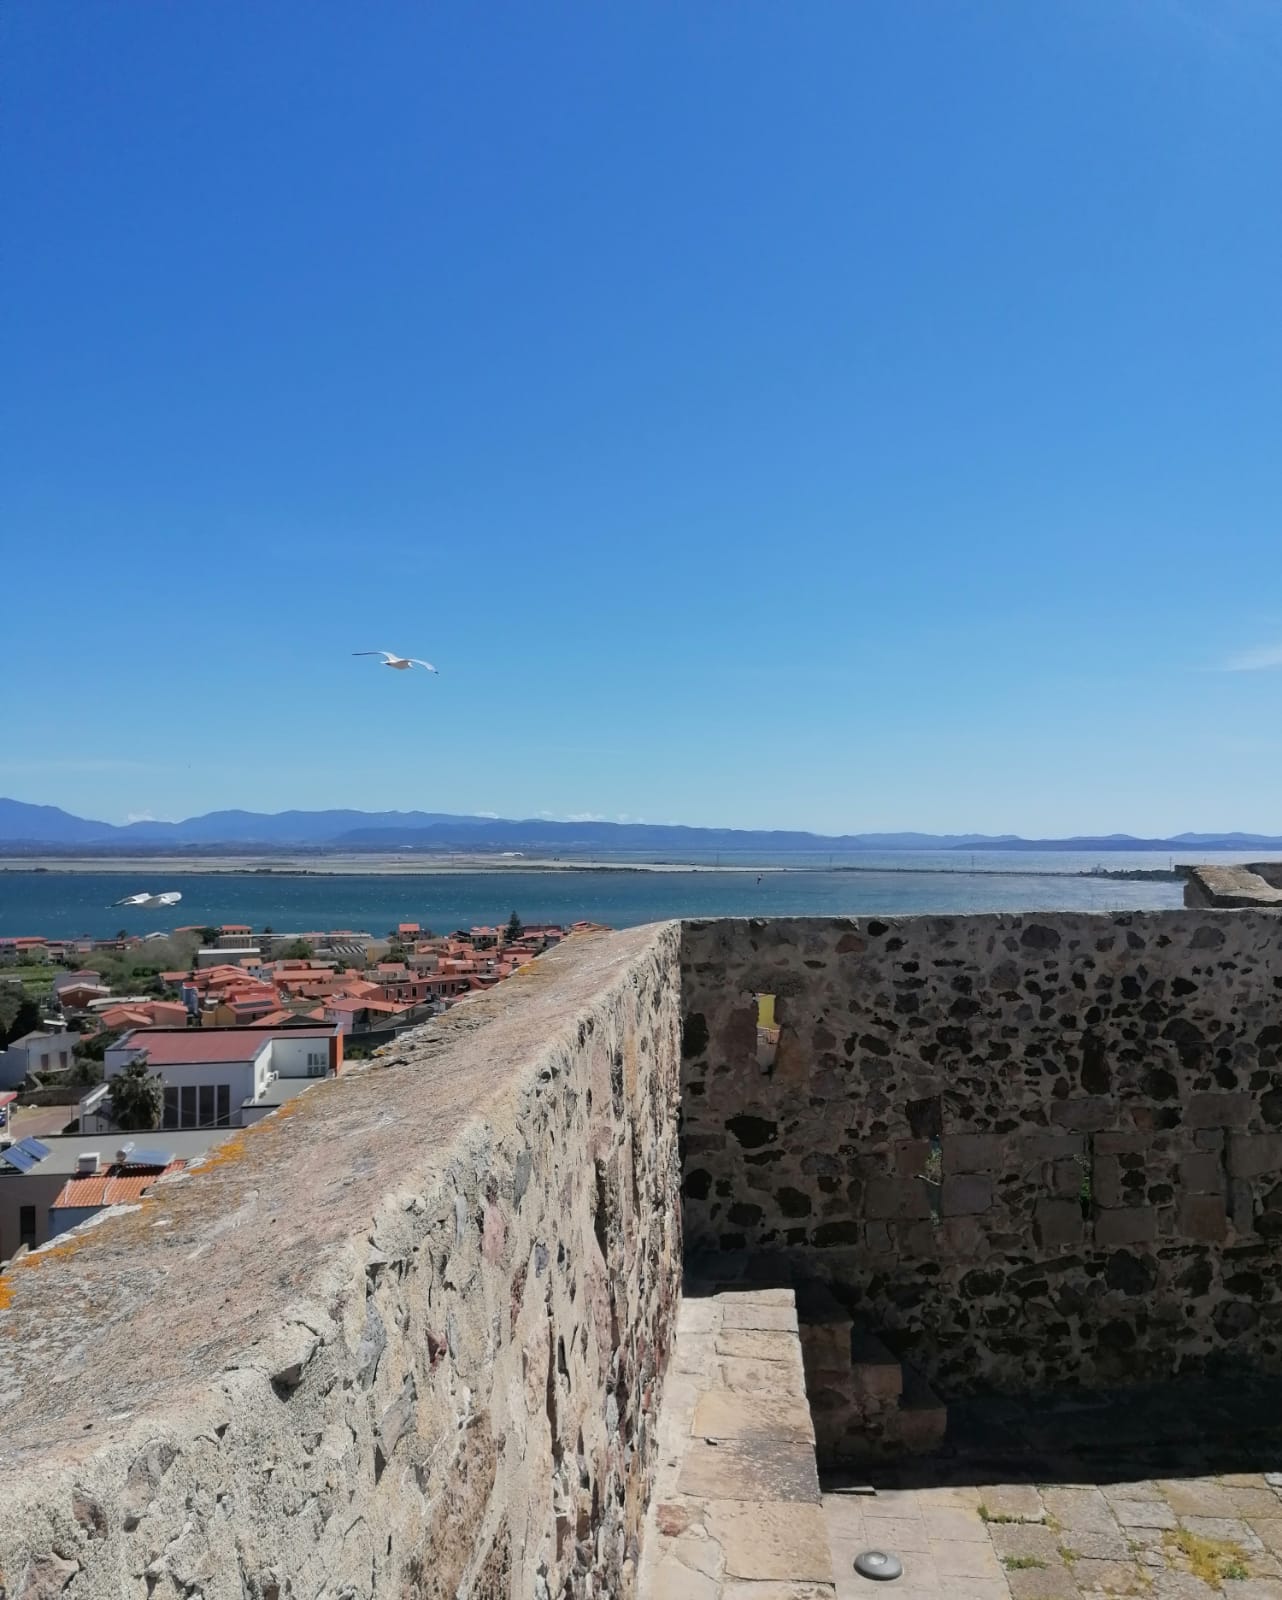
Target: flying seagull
[(171, 897), (399, 663)]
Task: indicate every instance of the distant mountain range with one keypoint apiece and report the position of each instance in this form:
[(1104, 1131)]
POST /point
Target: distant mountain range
[(25, 828)]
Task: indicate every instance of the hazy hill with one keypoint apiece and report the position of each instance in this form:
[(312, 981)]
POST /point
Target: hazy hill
[(24, 826)]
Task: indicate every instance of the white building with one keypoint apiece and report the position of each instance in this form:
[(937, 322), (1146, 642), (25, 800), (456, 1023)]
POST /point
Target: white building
[(218, 1077), (39, 1051), (227, 955)]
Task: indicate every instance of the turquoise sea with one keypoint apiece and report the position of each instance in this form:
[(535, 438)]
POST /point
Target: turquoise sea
[(63, 904)]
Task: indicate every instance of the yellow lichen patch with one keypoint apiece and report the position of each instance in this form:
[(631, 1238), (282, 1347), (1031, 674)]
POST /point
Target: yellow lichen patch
[(37, 1258), (1211, 1560)]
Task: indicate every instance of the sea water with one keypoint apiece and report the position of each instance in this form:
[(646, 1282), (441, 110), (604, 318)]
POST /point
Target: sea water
[(65, 904)]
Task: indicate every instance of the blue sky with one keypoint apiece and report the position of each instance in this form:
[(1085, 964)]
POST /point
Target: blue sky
[(848, 416)]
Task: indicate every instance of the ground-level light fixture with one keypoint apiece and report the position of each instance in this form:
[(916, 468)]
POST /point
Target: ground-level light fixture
[(879, 1565)]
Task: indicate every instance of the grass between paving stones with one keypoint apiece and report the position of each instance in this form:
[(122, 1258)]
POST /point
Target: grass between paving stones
[(985, 1515), (1211, 1560), (1021, 1563)]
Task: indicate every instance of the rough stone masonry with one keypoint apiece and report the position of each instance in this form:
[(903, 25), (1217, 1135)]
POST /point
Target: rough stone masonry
[(1027, 1149), (407, 1337), (406, 1341)]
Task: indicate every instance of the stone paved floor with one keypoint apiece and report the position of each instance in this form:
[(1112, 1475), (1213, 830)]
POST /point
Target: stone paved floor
[(1165, 1494), (735, 1512)]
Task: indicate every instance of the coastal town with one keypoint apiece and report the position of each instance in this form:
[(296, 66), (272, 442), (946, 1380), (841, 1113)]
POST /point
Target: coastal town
[(127, 1059)]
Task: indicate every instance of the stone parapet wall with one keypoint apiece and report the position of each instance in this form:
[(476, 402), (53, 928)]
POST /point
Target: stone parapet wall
[(1028, 1149), (405, 1338)]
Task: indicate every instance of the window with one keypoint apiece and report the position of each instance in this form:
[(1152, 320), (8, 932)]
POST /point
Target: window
[(206, 1105), (223, 1116), (170, 1118), (188, 1118), (62, 1059), (27, 1226)]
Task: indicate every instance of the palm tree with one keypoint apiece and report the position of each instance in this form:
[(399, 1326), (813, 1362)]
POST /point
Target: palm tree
[(137, 1097)]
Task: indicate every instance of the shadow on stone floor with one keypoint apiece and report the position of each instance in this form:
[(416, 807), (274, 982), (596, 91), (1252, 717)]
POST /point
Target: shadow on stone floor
[(1193, 1427)]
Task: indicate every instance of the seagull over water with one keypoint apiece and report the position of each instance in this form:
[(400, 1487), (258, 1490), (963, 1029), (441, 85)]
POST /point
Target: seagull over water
[(397, 663)]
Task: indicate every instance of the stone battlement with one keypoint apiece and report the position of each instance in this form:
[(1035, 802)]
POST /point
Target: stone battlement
[(410, 1338)]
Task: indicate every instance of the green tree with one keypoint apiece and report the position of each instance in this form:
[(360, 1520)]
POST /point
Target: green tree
[(299, 950), (85, 1071), (514, 928), (96, 1048), (137, 1097), (26, 1020)]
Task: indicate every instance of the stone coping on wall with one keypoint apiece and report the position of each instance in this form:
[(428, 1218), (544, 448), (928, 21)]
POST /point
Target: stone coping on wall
[(1230, 887)]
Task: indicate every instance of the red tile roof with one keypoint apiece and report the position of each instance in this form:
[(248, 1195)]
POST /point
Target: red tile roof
[(108, 1189), (193, 1045), (125, 1017)]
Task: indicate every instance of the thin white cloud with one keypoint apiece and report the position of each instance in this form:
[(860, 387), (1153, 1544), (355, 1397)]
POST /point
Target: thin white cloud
[(1269, 655)]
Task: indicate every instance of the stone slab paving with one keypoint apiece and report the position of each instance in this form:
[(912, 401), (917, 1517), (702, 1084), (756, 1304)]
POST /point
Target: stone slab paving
[(736, 1513), (1184, 1502)]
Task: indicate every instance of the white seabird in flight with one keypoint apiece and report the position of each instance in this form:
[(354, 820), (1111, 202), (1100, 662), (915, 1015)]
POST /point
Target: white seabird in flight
[(152, 902), (398, 663)]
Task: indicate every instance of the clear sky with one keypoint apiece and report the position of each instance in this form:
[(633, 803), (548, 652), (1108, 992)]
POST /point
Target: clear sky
[(835, 415)]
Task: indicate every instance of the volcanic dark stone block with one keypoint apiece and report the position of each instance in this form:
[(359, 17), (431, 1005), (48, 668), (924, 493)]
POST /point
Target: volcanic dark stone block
[(974, 1152), (1219, 1110), (1202, 1217), (1132, 1225), (966, 1196), (1253, 1155), (1059, 1223)]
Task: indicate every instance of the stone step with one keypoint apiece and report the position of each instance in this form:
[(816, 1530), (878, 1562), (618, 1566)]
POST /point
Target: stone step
[(875, 1371), (825, 1330), (922, 1419)]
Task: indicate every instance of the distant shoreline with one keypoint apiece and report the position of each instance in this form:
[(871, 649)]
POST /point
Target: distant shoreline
[(153, 868)]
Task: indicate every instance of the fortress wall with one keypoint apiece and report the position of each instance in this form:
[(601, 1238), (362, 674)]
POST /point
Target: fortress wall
[(1032, 1149), (404, 1339)]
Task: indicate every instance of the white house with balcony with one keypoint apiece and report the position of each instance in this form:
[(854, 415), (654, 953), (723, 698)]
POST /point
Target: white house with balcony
[(217, 1077)]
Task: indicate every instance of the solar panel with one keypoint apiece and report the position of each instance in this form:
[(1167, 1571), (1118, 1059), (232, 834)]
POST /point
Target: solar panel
[(19, 1159), (34, 1148), (148, 1158)]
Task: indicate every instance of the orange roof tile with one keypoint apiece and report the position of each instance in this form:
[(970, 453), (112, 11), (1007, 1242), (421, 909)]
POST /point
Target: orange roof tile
[(107, 1189)]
